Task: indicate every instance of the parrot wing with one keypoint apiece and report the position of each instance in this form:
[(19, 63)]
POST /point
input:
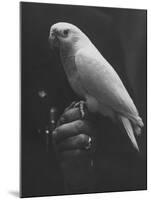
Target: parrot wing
[(102, 82)]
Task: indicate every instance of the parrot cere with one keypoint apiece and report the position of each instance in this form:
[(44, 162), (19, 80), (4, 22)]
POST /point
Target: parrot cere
[(93, 78)]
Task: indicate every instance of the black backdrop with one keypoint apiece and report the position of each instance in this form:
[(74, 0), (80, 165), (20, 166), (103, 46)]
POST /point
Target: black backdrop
[(120, 34)]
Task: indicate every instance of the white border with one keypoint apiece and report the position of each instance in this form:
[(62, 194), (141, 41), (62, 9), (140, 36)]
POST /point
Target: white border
[(9, 98)]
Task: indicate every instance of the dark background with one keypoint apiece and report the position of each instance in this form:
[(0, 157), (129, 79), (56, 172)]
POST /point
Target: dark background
[(120, 35)]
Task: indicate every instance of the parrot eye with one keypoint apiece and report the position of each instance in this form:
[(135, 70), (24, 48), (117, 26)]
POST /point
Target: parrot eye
[(65, 32)]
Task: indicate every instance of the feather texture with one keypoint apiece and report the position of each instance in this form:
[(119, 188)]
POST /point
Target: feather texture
[(93, 78)]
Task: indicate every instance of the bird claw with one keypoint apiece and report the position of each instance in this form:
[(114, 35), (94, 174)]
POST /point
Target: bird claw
[(81, 105), (70, 106)]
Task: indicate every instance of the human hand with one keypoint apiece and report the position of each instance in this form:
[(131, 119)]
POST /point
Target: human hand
[(74, 142)]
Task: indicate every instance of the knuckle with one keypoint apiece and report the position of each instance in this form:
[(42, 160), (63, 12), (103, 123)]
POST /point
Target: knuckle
[(54, 133), (79, 125), (60, 129), (57, 130), (65, 115), (82, 138), (62, 118)]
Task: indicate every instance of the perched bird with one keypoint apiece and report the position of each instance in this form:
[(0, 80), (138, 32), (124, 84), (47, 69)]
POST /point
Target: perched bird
[(93, 78)]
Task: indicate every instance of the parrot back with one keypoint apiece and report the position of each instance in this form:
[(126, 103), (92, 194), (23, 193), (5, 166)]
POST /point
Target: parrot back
[(102, 82)]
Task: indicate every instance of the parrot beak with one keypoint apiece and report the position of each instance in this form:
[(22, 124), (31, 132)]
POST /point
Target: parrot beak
[(53, 39)]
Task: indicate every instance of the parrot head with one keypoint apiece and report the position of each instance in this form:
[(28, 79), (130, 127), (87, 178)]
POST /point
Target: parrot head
[(63, 33)]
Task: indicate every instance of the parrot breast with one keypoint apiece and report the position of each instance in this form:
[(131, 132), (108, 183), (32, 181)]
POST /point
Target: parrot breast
[(68, 62)]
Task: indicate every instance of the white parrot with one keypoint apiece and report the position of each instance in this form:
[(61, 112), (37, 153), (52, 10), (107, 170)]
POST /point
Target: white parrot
[(94, 79)]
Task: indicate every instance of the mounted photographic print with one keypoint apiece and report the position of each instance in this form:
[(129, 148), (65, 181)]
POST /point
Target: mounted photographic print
[(83, 99)]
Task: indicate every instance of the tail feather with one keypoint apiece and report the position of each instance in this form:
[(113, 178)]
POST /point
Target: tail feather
[(129, 130)]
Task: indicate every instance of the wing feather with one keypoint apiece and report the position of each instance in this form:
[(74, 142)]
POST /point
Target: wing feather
[(102, 82)]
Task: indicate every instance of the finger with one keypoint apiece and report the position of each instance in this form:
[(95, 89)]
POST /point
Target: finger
[(70, 129), (76, 142), (70, 115)]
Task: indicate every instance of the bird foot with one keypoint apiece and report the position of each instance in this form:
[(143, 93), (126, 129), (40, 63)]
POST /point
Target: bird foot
[(70, 106), (81, 105)]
